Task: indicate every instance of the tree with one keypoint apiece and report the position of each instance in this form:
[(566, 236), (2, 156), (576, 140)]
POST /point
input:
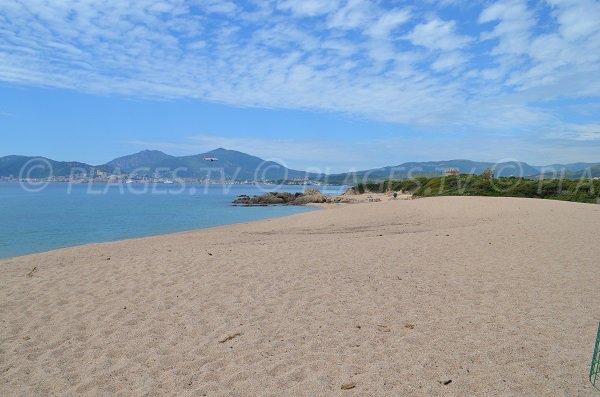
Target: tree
[(488, 173)]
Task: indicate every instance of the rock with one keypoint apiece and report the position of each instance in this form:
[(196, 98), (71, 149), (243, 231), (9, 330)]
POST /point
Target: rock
[(279, 198), (229, 337), (312, 192), (309, 197), (348, 386)]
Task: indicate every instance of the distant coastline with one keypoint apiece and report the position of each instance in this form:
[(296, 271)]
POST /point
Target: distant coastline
[(195, 181), (230, 166)]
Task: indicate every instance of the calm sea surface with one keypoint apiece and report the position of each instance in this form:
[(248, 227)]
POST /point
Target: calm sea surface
[(63, 215)]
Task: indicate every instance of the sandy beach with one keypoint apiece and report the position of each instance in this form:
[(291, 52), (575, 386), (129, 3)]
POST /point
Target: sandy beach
[(453, 296)]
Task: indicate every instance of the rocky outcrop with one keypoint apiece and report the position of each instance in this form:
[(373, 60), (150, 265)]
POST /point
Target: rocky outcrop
[(283, 198), (265, 199), (351, 192)]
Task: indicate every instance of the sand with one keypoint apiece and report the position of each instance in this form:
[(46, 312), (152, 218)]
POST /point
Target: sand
[(394, 298)]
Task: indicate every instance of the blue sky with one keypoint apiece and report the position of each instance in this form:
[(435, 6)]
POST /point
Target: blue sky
[(336, 84)]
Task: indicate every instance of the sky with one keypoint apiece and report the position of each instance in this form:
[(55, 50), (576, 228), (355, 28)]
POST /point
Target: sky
[(331, 85)]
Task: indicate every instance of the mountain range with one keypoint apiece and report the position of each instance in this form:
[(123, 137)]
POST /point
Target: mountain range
[(217, 164), (431, 168), (501, 169), (220, 164), (223, 164), (39, 167)]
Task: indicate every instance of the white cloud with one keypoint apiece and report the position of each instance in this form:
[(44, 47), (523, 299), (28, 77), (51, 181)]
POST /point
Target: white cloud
[(589, 136), (577, 18), (560, 62), (514, 23), (449, 61), (388, 22), (308, 8), (576, 132), (437, 34), (219, 6), (355, 14), (350, 56)]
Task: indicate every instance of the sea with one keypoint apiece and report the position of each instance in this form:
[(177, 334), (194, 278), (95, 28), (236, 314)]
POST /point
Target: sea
[(37, 218)]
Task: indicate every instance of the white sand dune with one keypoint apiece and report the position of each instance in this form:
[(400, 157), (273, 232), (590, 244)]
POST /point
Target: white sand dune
[(498, 295)]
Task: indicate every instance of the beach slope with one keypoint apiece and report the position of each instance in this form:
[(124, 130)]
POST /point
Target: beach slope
[(449, 296)]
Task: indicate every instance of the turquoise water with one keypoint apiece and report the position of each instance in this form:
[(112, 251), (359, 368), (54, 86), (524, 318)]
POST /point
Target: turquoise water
[(63, 215)]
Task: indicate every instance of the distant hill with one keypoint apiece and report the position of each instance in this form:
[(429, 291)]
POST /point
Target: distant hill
[(573, 167), (225, 165), (588, 172), (145, 158), (433, 168), (39, 167), (234, 165)]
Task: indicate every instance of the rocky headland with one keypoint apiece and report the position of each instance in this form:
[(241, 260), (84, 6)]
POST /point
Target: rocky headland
[(286, 198)]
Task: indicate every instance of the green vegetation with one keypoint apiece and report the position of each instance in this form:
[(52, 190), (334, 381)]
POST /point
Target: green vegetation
[(583, 190), (595, 368), (408, 185)]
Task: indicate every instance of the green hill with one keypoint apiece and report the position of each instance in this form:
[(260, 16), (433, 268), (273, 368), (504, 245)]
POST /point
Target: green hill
[(234, 165), (412, 170), (219, 164), (226, 164), (143, 159), (41, 167), (588, 172)]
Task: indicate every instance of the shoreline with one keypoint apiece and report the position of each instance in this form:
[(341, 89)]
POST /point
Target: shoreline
[(198, 229), (399, 297), (316, 206), (58, 217)]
